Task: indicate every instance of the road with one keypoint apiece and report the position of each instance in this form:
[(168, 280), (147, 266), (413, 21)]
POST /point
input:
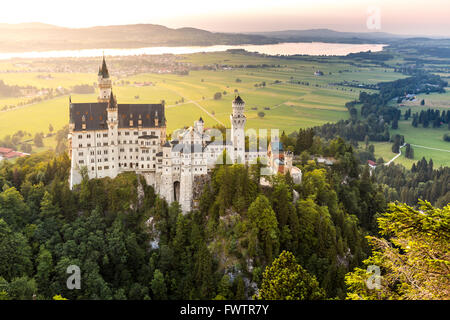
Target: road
[(398, 155)]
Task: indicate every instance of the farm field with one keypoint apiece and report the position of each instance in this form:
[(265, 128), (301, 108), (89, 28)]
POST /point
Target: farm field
[(273, 90), (426, 141)]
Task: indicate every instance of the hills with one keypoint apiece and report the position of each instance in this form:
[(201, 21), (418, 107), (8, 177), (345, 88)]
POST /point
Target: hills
[(327, 35), (42, 37)]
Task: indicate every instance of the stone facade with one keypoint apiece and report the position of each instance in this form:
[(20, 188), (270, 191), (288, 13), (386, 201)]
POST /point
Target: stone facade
[(106, 138)]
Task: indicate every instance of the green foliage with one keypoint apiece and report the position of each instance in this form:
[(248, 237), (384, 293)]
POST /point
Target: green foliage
[(285, 279), (413, 255), (15, 253), (158, 286)]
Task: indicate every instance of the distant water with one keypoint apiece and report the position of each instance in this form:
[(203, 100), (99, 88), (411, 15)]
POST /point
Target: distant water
[(313, 48)]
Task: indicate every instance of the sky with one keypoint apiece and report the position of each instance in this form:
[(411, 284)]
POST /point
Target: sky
[(411, 17)]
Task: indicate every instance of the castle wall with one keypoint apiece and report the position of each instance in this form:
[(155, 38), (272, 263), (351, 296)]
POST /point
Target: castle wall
[(172, 170)]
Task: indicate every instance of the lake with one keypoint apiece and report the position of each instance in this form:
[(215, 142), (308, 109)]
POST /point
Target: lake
[(308, 48)]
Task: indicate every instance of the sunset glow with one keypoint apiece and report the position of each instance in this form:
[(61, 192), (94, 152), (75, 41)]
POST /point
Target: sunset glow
[(402, 16)]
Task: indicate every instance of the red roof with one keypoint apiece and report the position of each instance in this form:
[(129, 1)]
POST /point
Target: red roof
[(10, 153), (5, 150)]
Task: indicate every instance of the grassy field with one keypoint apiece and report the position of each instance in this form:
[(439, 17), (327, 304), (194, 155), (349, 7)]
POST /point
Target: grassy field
[(426, 140), (286, 106), (425, 143)]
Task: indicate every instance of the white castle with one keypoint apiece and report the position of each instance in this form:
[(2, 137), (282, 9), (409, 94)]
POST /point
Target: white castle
[(109, 138)]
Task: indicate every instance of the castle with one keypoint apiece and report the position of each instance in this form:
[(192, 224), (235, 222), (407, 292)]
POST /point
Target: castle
[(107, 138)]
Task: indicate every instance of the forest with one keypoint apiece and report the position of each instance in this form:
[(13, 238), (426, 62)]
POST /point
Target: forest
[(130, 244), (375, 114)]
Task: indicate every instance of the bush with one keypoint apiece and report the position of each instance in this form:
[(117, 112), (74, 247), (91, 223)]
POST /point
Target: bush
[(446, 137)]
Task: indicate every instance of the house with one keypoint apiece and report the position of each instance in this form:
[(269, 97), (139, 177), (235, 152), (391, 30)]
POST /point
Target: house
[(7, 153)]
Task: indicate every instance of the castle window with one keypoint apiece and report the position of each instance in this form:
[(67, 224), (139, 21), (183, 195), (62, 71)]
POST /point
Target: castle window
[(80, 154), (106, 167), (135, 133), (99, 168), (88, 144), (105, 135), (92, 168), (88, 136), (131, 123), (80, 136), (81, 161), (80, 145), (127, 133)]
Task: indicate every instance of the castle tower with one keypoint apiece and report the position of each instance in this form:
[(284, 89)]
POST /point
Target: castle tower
[(167, 184), (113, 126), (198, 125), (104, 83), (238, 120)]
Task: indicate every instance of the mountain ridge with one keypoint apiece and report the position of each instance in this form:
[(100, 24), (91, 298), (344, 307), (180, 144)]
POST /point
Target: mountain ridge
[(36, 36)]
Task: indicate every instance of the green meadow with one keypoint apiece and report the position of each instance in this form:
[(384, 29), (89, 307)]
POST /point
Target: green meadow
[(286, 106), (427, 142)]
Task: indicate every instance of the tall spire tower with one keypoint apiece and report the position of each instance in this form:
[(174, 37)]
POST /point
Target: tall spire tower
[(104, 83), (238, 120)]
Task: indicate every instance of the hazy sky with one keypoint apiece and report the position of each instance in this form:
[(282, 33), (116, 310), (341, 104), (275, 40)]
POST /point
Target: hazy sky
[(397, 16)]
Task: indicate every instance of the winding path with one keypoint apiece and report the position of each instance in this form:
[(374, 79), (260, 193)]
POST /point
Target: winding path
[(398, 155), (436, 149)]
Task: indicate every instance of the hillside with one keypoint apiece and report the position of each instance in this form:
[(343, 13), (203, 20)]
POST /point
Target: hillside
[(327, 35), (42, 37)]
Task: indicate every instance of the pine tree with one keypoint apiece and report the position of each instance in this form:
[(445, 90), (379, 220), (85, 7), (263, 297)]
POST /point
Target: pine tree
[(285, 279)]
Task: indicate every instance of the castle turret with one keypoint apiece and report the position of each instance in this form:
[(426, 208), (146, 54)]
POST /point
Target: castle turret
[(113, 129), (238, 120), (104, 83), (199, 125)]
